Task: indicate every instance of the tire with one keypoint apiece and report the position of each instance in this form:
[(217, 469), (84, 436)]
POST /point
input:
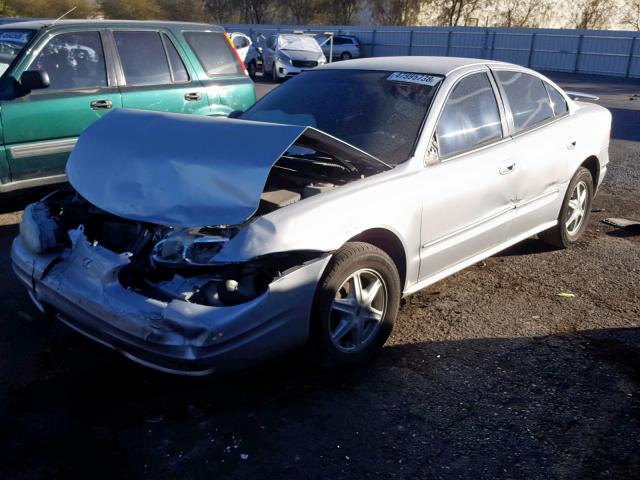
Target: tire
[(266, 73), (345, 56), (252, 68), (566, 233), (274, 74), (338, 321)]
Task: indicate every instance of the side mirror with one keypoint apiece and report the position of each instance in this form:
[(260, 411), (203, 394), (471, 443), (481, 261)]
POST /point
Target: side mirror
[(34, 80), (235, 114)]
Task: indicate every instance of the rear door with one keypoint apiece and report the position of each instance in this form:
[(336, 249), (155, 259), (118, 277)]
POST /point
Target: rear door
[(544, 146), (154, 75), (41, 128), (469, 188)]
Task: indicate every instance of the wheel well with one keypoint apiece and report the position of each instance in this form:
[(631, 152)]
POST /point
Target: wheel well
[(389, 243), (593, 165)]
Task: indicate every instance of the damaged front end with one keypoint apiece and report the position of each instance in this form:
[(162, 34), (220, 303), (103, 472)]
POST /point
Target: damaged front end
[(123, 257)]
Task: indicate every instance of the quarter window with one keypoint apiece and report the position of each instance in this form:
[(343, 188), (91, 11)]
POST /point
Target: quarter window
[(73, 60), (180, 74), (470, 117), (527, 99), (143, 58), (214, 52), (558, 103)]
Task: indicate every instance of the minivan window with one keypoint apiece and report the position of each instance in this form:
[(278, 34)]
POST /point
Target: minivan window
[(470, 117), (526, 97), (214, 52), (12, 41), (180, 73), (558, 103), (143, 58), (73, 60)]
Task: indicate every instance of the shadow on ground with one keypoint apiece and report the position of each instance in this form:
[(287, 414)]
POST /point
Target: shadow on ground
[(561, 406)]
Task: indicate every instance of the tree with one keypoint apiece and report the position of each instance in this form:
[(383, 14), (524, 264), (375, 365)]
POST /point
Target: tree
[(395, 12), (183, 10), (131, 9), (631, 14), (593, 14), (300, 12), (49, 9), (459, 12), (221, 11), (524, 13), (340, 12)]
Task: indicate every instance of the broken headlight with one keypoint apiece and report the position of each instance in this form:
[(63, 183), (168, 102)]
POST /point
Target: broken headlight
[(191, 247)]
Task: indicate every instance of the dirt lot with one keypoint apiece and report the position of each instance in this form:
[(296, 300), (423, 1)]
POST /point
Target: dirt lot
[(489, 374)]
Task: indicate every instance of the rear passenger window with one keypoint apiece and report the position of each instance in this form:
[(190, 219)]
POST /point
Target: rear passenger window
[(558, 103), (527, 99), (143, 58), (73, 60), (470, 117), (214, 52), (178, 69)]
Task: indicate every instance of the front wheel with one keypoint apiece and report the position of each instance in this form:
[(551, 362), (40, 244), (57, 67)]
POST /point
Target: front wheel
[(252, 69), (345, 56), (355, 306), (574, 214)]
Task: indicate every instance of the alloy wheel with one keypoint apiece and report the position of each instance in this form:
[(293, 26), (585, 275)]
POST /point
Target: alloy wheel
[(357, 310), (577, 208)]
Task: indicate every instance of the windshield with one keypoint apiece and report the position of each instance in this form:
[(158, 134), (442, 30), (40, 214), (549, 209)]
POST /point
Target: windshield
[(378, 112), (12, 42), (298, 42)]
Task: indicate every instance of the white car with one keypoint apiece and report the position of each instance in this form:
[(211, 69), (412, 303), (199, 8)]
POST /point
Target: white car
[(288, 54), (366, 181), (247, 52)]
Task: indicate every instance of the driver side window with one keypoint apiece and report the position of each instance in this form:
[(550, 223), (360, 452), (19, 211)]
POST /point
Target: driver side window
[(73, 60), (470, 117)]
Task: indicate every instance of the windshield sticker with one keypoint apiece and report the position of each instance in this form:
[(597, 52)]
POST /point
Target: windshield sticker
[(419, 78)]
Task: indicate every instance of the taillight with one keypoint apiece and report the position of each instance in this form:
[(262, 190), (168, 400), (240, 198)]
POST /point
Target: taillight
[(244, 67), (357, 45)]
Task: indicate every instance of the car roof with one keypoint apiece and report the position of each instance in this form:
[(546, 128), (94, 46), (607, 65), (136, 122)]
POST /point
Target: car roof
[(47, 23), (416, 64)]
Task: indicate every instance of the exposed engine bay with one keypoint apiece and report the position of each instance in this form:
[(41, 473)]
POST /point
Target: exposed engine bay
[(170, 262)]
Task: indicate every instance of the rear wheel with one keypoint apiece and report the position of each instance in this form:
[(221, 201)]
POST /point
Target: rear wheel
[(345, 56), (355, 306), (252, 68), (574, 214)]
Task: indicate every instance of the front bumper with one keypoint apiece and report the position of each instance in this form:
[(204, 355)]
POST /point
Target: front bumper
[(288, 70), (176, 337)]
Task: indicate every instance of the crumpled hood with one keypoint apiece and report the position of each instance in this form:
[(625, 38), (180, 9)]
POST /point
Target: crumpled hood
[(186, 170), (306, 55)]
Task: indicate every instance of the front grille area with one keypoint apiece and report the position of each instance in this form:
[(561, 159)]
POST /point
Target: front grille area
[(304, 63)]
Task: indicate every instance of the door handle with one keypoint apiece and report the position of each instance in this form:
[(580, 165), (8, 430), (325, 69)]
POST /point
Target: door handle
[(101, 104), (192, 96), (507, 168)]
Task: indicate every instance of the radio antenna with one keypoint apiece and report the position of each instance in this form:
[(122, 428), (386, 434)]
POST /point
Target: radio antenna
[(63, 15)]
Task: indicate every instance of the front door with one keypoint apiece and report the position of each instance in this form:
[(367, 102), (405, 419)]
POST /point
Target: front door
[(155, 75), (469, 192), (41, 127)]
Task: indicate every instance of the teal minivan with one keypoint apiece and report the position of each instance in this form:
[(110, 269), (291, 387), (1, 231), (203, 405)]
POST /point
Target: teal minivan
[(59, 77)]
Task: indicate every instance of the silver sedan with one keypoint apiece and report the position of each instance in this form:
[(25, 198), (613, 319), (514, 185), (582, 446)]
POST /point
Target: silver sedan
[(191, 249)]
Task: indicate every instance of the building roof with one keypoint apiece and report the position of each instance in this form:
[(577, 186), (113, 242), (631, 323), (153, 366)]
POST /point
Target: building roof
[(417, 64)]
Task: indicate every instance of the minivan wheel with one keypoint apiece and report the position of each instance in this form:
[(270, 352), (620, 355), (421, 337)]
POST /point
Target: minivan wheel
[(345, 56), (355, 306), (574, 214)]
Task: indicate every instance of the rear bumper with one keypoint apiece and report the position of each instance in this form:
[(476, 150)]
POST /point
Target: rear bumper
[(177, 336)]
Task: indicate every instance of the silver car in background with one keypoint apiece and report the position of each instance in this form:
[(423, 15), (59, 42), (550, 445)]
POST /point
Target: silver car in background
[(344, 47), (288, 54), (366, 181)]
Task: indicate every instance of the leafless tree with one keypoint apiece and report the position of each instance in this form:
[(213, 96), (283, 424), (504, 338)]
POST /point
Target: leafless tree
[(395, 12), (593, 14), (524, 13), (340, 12), (631, 14), (459, 12)]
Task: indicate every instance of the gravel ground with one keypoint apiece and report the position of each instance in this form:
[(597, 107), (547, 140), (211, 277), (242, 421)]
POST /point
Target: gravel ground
[(489, 374)]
